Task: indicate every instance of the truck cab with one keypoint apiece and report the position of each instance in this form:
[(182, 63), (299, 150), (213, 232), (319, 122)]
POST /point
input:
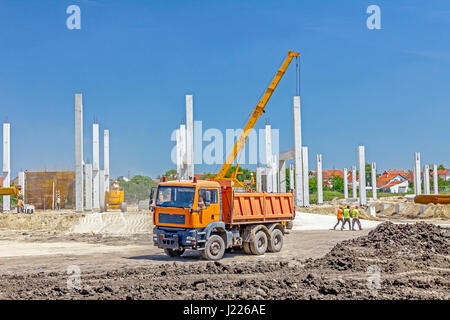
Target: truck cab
[(185, 214)]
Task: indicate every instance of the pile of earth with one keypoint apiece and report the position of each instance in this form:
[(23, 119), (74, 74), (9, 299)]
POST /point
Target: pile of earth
[(412, 262), (392, 248)]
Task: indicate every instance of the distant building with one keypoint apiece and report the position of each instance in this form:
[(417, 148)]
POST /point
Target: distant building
[(391, 176), (396, 186), (443, 174)]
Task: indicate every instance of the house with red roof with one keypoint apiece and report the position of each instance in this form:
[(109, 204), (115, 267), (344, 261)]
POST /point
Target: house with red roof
[(393, 181), (443, 174), (396, 186)]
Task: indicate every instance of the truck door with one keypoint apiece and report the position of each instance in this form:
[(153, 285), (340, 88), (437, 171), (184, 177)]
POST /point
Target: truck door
[(208, 201)]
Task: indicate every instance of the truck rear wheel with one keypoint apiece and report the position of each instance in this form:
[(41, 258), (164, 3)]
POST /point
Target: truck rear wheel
[(276, 241), (174, 252), (246, 247), (214, 248), (259, 244)]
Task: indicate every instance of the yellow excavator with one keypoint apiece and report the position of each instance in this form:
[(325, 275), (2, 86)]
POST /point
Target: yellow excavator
[(114, 198), (17, 192), (256, 114), (11, 191)]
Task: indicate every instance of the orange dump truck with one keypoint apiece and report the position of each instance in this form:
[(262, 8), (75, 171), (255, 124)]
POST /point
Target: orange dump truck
[(209, 216)]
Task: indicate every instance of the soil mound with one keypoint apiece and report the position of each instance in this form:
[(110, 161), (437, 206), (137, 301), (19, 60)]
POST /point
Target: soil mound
[(393, 248)]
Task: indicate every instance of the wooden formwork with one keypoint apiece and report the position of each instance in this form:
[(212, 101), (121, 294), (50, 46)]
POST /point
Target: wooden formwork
[(40, 188)]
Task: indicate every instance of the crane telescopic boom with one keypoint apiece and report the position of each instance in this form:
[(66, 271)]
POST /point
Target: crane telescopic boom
[(257, 112)]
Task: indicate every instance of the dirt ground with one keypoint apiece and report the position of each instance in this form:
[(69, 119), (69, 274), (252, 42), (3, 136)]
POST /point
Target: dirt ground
[(111, 256)]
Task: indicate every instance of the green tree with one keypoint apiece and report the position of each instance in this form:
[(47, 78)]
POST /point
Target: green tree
[(441, 167), (337, 182), (138, 188), (368, 174), (246, 173), (313, 185), (170, 174)]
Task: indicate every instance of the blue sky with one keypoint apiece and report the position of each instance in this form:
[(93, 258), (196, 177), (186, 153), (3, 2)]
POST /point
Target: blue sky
[(134, 61)]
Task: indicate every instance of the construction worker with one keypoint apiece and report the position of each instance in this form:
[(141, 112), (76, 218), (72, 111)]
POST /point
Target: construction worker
[(201, 203), (346, 215), (20, 205), (58, 203), (355, 217), (340, 213)]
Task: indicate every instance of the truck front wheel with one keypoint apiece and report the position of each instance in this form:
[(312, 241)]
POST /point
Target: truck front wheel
[(173, 252), (214, 248), (259, 244), (276, 241)]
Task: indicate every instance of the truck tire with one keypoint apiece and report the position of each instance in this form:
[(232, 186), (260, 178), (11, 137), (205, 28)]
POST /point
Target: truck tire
[(214, 248), (173, 252), (276, 241), (246, 247), (259, 244), (289, 225)]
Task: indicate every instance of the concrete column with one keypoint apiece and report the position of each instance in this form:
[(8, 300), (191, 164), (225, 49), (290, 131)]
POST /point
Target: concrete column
[(282, 175), (22, 184), (435, 179), (6, 165), (102, 190), (258, 179), (291, 177), (305, 176), (178, 155), (426, 179), (190, 136), (415, 177), (354, 193), (298, 195), (345, 183), (362, 175), (88, 185), (79, 152), (106, 158), (95, 167), (418, 179), (374, 180), (269, 159), (182, 149), (319, 180), (274, 173)]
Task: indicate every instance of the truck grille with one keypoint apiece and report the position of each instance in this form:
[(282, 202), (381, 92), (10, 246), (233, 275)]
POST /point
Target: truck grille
[(172, 218)]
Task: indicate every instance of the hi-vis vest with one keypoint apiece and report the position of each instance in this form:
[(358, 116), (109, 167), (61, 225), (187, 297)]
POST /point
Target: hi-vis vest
[(355, 214), (339, 213), (346, 213)]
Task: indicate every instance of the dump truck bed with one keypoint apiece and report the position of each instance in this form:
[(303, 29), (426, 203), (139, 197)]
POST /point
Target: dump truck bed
[(240, 208)]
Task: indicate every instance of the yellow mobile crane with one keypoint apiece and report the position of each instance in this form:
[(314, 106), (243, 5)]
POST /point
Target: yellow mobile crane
[(257, 112)]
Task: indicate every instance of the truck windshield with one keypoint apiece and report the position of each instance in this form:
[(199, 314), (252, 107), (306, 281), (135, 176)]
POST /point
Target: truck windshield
[(175, 196)]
